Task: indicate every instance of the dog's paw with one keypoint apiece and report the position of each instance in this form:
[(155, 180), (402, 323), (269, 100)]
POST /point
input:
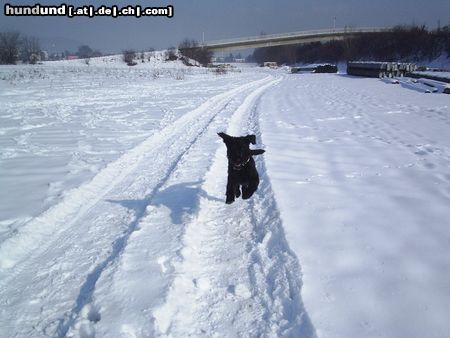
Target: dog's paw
[(229, 200)]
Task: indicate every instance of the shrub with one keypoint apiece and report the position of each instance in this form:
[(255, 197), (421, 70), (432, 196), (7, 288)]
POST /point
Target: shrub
[(171, 54), (191, 49), (129, 56)]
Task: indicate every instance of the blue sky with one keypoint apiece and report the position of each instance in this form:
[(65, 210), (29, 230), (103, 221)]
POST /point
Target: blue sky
[(223, 19)]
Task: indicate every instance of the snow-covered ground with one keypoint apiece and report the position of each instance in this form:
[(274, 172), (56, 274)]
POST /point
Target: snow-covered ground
[(61, 123), (113, 221), (360, 171)]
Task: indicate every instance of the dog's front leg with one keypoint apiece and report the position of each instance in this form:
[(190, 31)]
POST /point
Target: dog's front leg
[(230, 192)]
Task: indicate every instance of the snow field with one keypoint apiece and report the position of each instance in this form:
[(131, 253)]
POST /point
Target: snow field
[(360, 174), (61, 124), (74, 205), (114, 222), (131, 177)]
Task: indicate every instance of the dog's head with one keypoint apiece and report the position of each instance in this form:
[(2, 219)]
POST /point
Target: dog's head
[(238, 149)]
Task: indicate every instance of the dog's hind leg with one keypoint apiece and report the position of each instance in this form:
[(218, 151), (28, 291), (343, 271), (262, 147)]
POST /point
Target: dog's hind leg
[(249, 189), (237, 191)]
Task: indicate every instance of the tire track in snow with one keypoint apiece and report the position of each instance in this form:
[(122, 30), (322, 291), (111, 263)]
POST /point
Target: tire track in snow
[(238, 277), (86, 312), (276, 266), (87, 289), (89, 219), (129, 290), (140, 279), (74, 205)]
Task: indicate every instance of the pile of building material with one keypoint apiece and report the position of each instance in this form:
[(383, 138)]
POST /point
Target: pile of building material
[(326, 68), (442, 76), (316, 68), (271, 64), (379, 69)]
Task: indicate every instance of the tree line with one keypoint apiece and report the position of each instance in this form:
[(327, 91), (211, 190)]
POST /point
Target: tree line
[(15, 46), (403, 43), (188, 50)]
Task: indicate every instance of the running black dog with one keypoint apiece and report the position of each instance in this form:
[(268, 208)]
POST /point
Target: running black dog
[(241, 166)]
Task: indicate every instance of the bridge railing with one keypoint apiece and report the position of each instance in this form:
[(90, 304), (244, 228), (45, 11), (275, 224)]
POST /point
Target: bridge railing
[(319, 32)]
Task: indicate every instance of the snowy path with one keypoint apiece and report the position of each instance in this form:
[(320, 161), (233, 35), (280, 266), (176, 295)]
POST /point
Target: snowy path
[(103, 261), (238, 276)]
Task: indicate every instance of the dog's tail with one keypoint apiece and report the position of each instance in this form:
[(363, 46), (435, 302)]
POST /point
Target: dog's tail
[(257, 151), (223, 135)]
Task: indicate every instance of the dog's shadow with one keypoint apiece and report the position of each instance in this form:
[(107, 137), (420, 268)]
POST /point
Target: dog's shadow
[(181, 199)]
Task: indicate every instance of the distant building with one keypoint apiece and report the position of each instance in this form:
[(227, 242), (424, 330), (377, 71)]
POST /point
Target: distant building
[(72, 57)]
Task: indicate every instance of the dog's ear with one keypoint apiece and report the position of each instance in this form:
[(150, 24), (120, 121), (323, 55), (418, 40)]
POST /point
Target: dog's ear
[(224, 136), (251, 139), (257, 151)]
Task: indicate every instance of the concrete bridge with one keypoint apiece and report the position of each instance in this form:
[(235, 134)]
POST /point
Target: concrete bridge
[(290, 38)]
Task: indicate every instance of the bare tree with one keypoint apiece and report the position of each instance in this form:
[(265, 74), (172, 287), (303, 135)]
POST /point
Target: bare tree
[(30, 49), (192, 50), (188, 48), (9, 47)]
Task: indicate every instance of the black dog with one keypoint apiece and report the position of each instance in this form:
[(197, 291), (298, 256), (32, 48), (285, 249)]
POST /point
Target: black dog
[(241, 166)]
